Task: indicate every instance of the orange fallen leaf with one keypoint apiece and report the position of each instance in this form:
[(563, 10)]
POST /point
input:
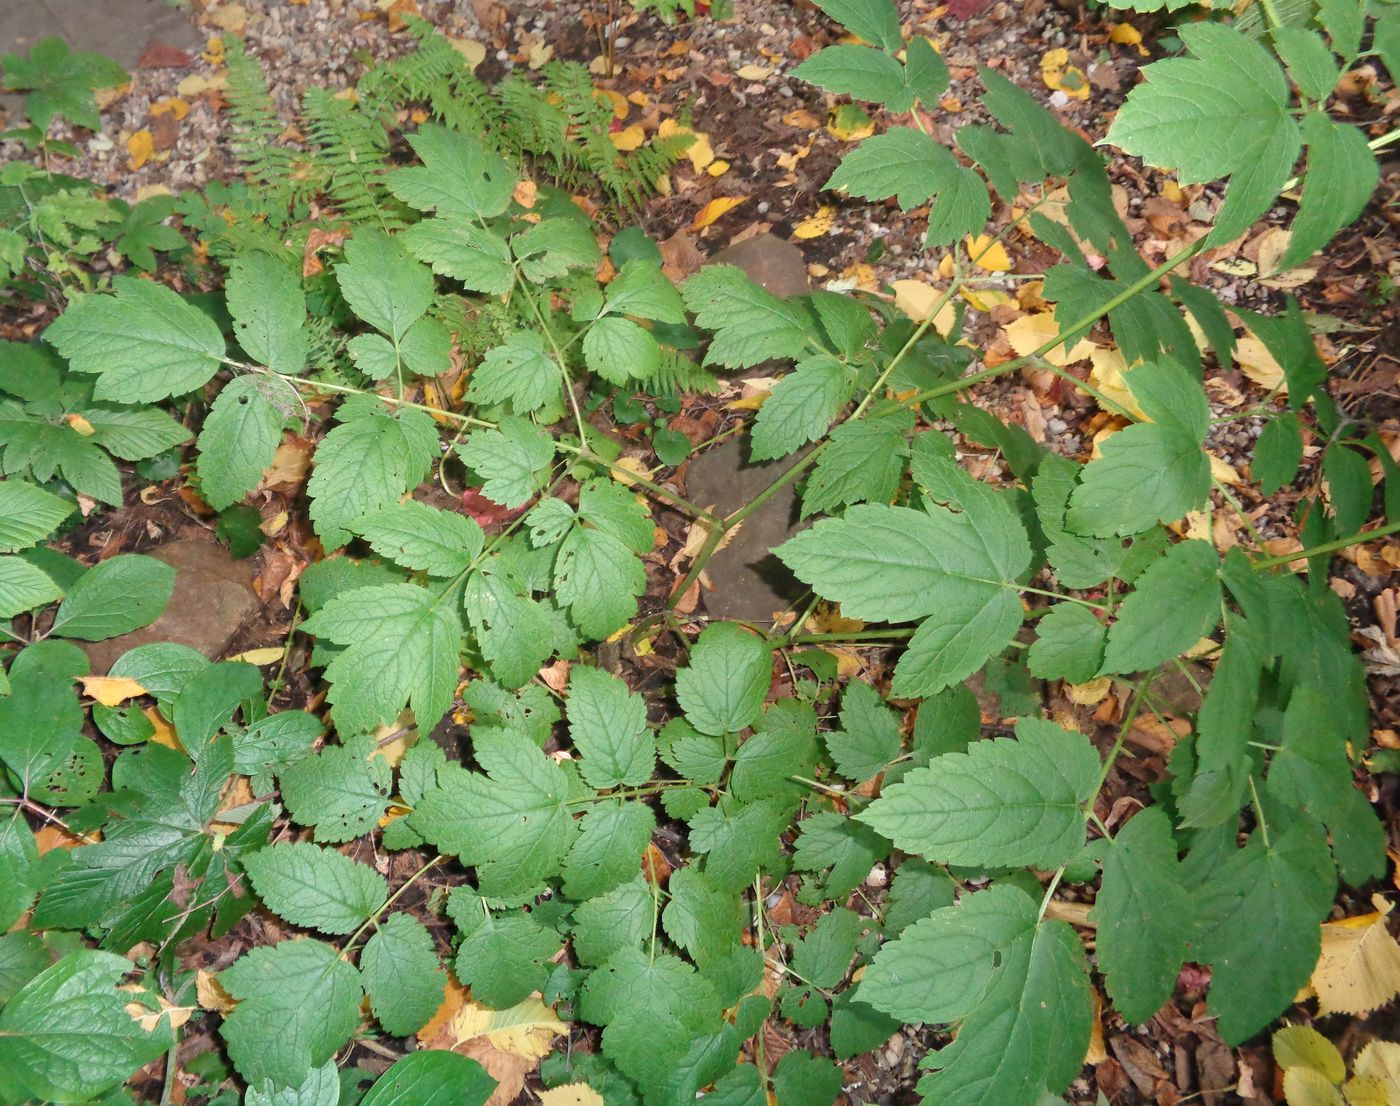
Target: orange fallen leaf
[(714, 210), (139, 148), (172, 104)]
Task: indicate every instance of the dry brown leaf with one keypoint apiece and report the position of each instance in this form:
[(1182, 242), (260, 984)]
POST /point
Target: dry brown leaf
[(679, 256), (111, 691), (1359, 968), (210, 993)]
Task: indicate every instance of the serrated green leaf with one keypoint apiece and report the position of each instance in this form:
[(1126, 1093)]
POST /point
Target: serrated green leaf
[(145, 342), (403, 646), (801, 406), (1143, 915), (315, 887), (1175, 602), (1311, 65), (620, 351), (899, 564), (701, 918), (1068, 645), (848, 848), (723, 687), (24, 587), (382, 284), (303, 989), (1223, 111), (1341, 177), (749, 324), (372, 458), (115, 596), (239, 439), (514, 632), (766, 760), (60, 82), (269, 311), (862, 72), (910, 166), (458, 176), (824, 954), (432, 1077), (863, 461), (513, 824), (466, 252), (608, 851), (503, 956), (1018, 987), (28, 514), (738, 839), (67, 1037), (598, 579), (801, 1079), (320, 1088), (1002, 803), (342, 791), (869, 736), (642, 289), (519, 371), (509, 460), (1151, 471), (554, 246), (134, 433), (876, 21), (925, 71), (1258, 925), (1277, 453), (608, 726), (422, 538), (617, 920)]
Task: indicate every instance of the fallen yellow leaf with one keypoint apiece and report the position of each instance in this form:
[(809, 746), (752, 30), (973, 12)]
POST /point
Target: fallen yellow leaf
[(473, 51), (629, 138), (507, 1043), (717, 168), (753, 72), (633, 465), (1257, 363), (139, 148), (1107, 376), (618, 102), (149, 1020), (210, 993), (173, 104), (165, 732), (229, 17), (988, 254), (1058, 74), (111, 691), (1359, 968), (571, 1094), (1125, 34), (699, 152), (1380, 1061), (715, 209), (917, 299), (1028, 333), (849, 123), (816, 224), (269, 655)]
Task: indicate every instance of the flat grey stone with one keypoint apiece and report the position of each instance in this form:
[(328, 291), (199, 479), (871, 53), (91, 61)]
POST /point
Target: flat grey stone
[(212, 599)]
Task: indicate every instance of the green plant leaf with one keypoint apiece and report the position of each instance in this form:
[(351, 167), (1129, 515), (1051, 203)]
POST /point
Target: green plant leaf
[(926, 71), (1258, 925), (738, 839), (343, 790), (60, 82), (509, 460), (869, 736), (619, 350), (514, 632), (28, 514), (1018, 987), (1068, 644), (383, 285), (422, 538), (503, 956), (134, 433), (269, 311), (320, 1088), (1223, 111), (1311, 65), (145, 343), (608, 726), (239, 439), (115, 596), (910, 166), (66, 1035), (1144, 916), (608, 851), (403, 645), (723, 688), (463, 251), (432, 1077), (519, 371), (1151, 471), (459, 176), (371, 459), (801, 406), (1175, 602), (1341, 177), (863, 461), (598, 579), (801, 1079), (24, 587), (846, 847), (298, 1003), (900, 564), (1278, 452), (876, 21), (701, 918), (513, 823), (862, 72), (823, 956), (315, 887), (642, 289), (749, 324), (552, 247), (1002, 803), (617, 920)]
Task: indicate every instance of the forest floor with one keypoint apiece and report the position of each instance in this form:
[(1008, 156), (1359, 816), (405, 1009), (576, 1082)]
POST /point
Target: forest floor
[(771, 144)]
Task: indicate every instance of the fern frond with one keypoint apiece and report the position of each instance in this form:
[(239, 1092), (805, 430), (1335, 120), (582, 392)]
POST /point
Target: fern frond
[(353, 153), (256, 129), (678, 373)]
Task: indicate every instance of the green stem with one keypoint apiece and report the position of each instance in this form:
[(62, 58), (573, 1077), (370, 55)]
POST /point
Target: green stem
[(374, 918), (856, 635), (1259, 811), (1327, 547)]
